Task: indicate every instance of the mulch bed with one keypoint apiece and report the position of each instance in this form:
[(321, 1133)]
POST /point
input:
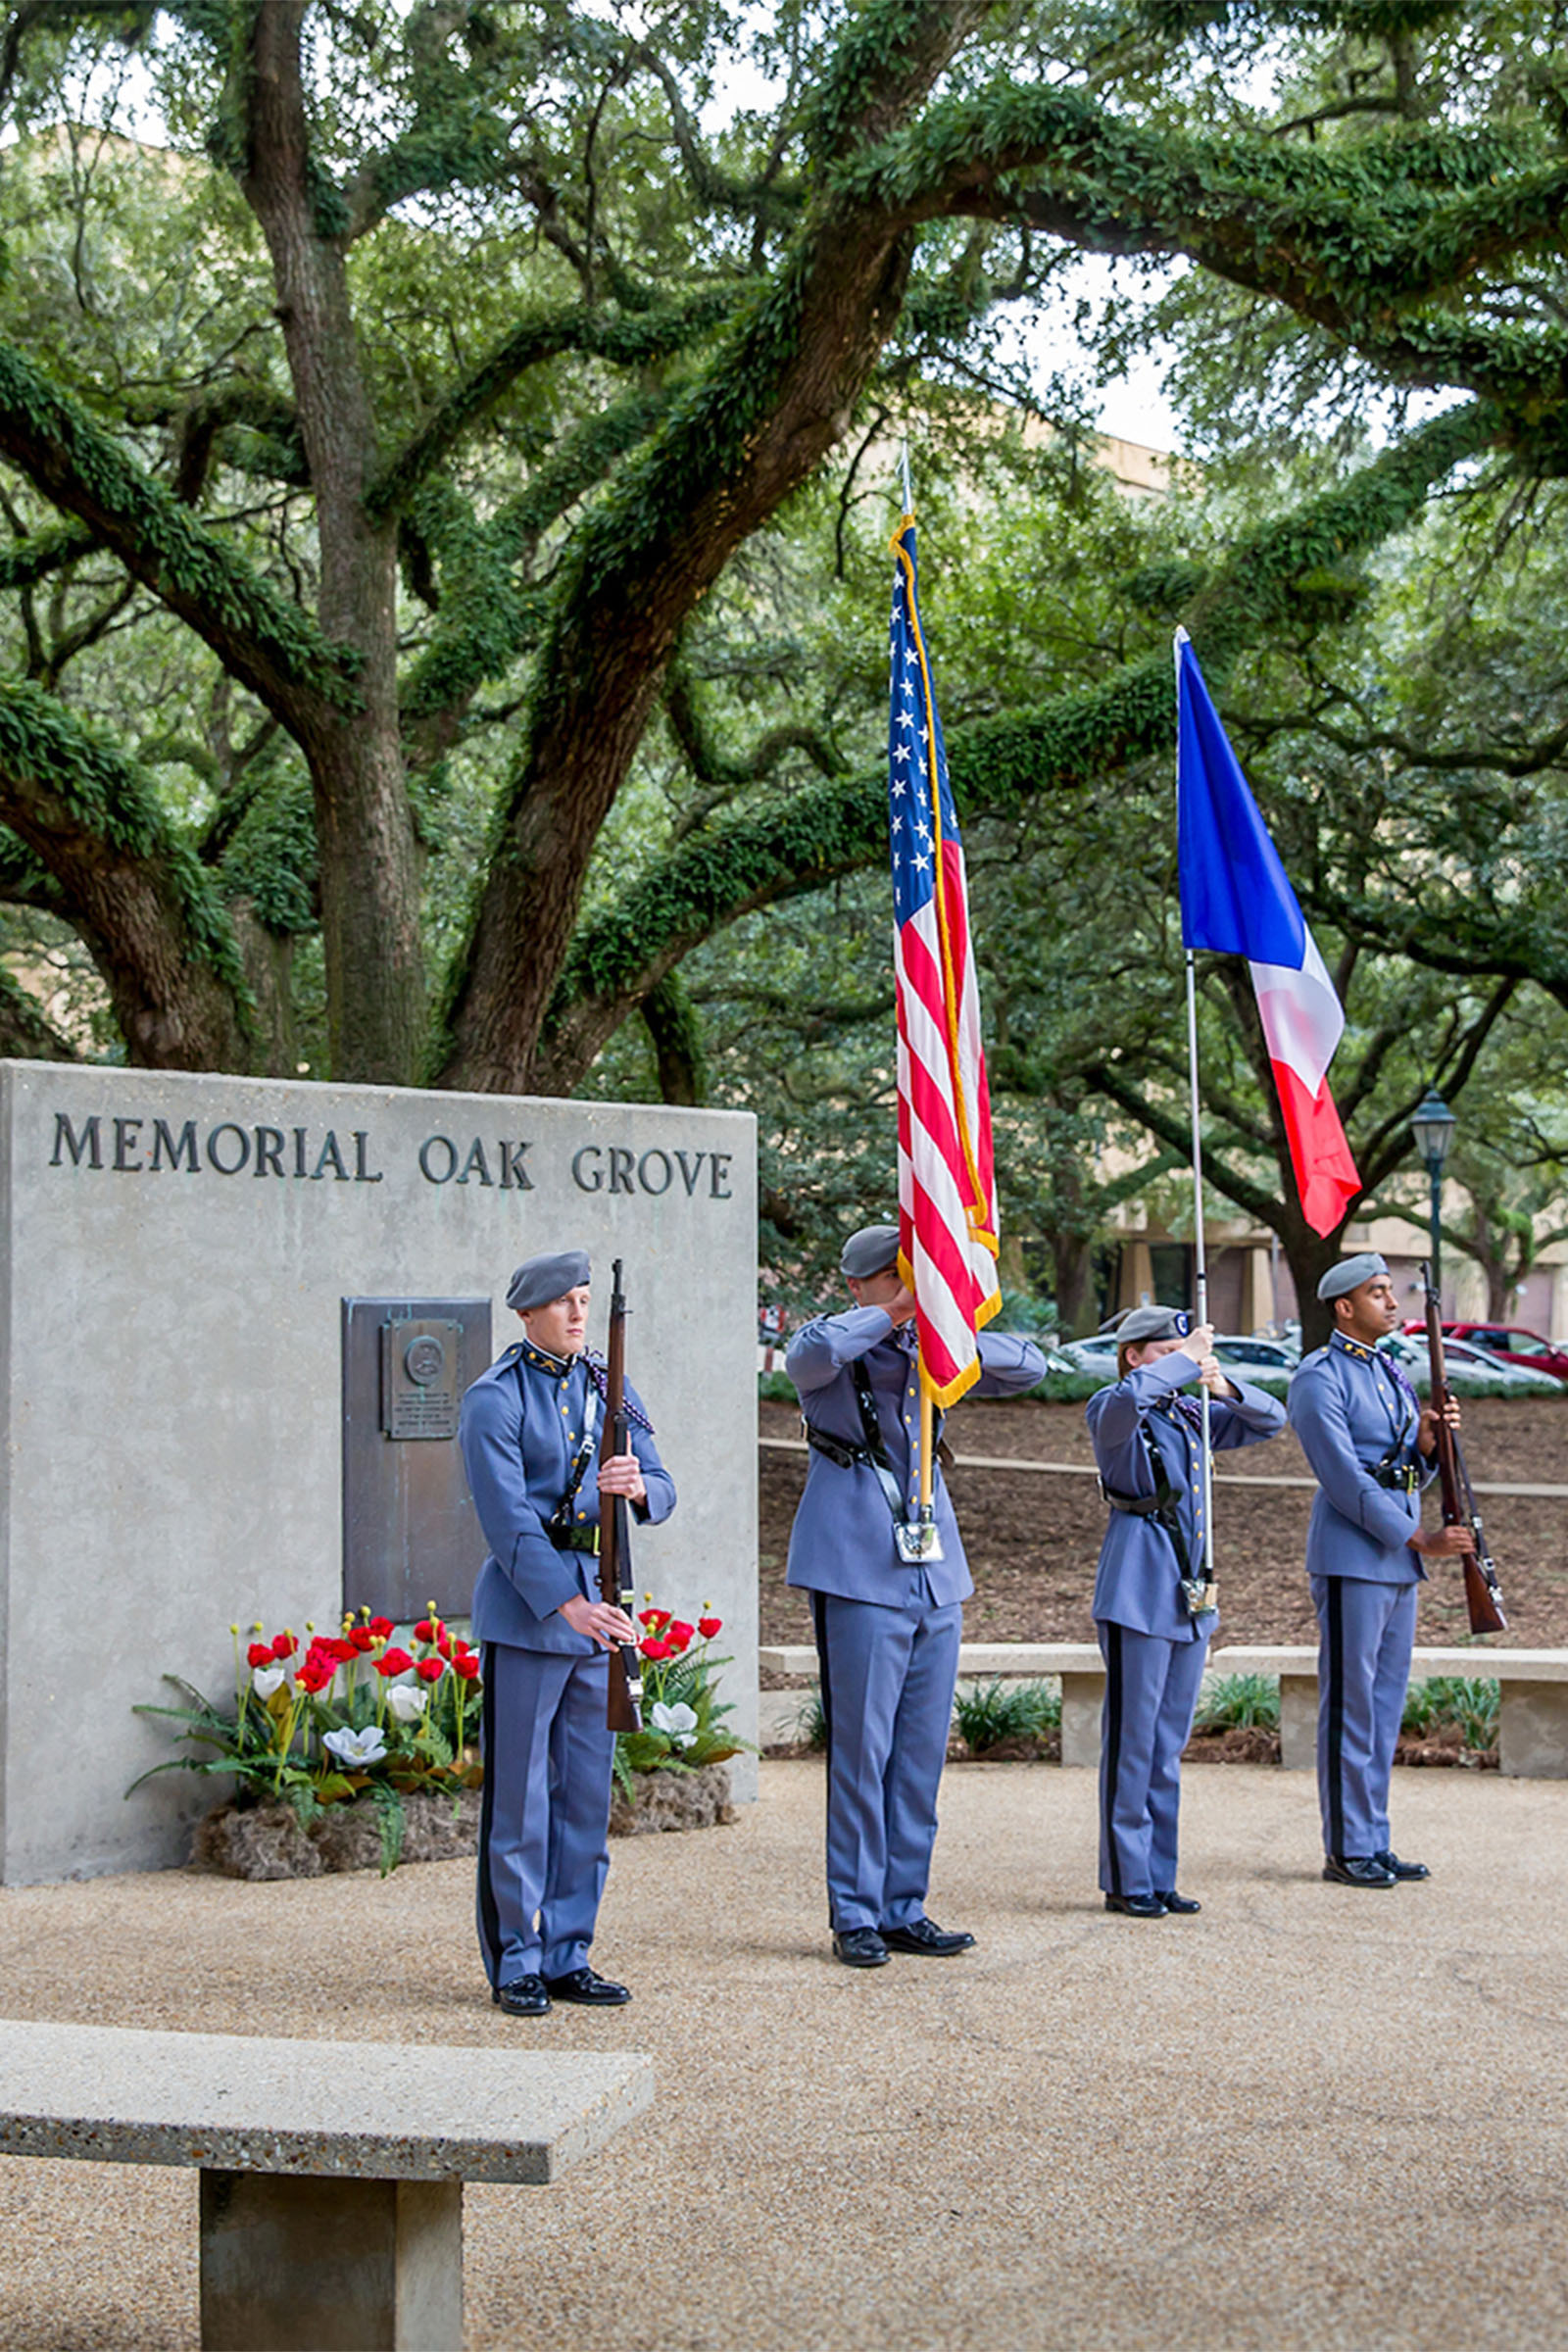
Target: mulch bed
[(1033, 1540)]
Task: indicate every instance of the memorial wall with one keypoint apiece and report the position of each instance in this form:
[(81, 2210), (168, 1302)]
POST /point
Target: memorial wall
[(236, 1317)]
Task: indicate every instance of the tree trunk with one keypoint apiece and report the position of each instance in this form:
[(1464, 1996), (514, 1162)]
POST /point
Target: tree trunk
[(1309, 1255), (671, 1022), (268, 967), (1073, 1261), (367, 858)]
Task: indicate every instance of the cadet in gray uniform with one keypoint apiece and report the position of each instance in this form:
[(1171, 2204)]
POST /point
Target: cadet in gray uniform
[(887, 1632), (1149, 1445), (1370, 1444), (530, 1431)]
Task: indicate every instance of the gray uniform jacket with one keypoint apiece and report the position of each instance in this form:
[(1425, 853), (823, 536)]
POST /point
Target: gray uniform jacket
[(1349, 1409), (842, 1539), (521, 1428), (1138, 1572)]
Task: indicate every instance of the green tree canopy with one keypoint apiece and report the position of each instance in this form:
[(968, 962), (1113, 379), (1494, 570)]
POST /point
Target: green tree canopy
[(395, 425)]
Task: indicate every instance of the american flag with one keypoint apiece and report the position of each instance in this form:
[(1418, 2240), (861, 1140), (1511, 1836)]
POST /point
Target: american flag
[(946, 1187)]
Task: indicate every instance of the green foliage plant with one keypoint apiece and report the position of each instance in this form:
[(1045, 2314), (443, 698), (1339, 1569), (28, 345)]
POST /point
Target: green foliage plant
[(988, 1714), (1474, 1703), (1239, 1702), (359, 1716), (683, 1724)]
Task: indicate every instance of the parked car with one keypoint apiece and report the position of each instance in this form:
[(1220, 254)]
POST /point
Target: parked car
[(1098, 1354), (1469, 1364), (1093, 1354), (1512, 1341), (1258, 1356)]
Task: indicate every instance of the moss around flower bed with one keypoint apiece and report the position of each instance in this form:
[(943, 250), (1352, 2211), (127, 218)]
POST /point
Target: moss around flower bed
[(266, 1842)]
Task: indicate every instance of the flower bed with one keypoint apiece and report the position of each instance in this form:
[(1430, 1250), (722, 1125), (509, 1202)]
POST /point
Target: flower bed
[(363, 1751)]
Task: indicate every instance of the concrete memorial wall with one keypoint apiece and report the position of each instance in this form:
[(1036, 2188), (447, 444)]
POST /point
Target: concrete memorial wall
[(176, 1255)]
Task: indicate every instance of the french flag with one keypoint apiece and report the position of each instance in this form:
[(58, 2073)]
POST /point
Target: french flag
[(1236, 901)]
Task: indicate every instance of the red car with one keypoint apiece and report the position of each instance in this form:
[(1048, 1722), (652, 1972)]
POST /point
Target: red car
[(1516, 1346)]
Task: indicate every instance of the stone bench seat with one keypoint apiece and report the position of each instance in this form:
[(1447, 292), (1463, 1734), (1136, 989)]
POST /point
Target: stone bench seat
[(331, 2194), (1532, 1734), (1533, 1686)]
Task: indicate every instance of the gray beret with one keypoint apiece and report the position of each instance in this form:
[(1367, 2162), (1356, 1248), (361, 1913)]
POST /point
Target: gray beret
[(1152, 1323), (552, 1275), (1351, 1273), (870, 1251)]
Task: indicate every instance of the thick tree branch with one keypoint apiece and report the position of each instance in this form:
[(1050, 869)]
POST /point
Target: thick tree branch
[(756, 423), (997, 767), (265, 641), (138, 898), (26, 1033), (630, 340)]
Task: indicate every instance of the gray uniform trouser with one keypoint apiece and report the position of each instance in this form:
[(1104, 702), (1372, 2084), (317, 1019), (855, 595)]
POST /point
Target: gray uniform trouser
[(1363, 1669), (1151, 1688), (543, 1825), (887, 1682)]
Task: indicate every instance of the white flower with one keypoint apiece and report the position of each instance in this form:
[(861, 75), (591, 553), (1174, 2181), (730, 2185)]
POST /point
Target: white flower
[(677, 1723), (407, 1702), (357, 1748), (265, 1679)]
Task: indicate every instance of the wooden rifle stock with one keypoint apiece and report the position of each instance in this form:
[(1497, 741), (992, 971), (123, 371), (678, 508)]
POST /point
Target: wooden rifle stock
[(615, 1525), (1481, 1592)]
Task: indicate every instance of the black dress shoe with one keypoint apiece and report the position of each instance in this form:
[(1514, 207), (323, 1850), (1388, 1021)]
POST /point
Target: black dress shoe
[(1177, 1902), (588, 1990), (859, 1947), (1401, 1870), (1136, 1906), (924, 1936), (1356, 1870), (525, 1997)]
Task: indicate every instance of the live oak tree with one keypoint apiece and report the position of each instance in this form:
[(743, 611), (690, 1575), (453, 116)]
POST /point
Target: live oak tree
[(504, 356)]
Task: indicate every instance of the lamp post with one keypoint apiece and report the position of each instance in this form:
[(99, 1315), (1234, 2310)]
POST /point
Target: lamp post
[(1433, 1128)]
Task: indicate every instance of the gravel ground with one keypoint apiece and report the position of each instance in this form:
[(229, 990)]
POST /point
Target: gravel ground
[(1032, 1541), (1306, 2118)]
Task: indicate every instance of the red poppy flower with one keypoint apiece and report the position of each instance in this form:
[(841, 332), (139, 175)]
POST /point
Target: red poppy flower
[(393, 1661), (467, 1666), (430, 1670), (461, 1649), (680, 1634), (708, 1626), (655, 1649), (362, 1638), (653, 1619), (316, 1677), (443, 1643), (336, 1648), (260, 1653), (382, 1628), (284, 1646), (428, 1629)]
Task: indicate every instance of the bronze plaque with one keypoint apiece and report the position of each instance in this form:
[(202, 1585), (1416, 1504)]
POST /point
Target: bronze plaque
[(409, 1534), (420, 1392)]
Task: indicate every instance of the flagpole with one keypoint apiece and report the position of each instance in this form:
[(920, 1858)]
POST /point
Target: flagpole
[(927, 1414), (1201, 1271), (1201, 1255)]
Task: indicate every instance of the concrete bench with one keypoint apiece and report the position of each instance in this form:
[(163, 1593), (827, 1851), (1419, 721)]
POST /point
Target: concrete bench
[(1078, 1665), (1533, 1729), (1533, 1740), (331, 2173)]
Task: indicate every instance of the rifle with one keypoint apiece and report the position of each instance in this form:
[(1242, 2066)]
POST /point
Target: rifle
[(1481, 1592), (614, 1527)]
